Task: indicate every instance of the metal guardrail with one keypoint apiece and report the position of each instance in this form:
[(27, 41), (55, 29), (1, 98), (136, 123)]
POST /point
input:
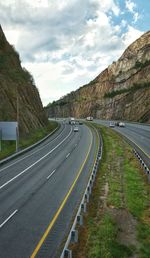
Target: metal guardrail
[(73, 234), (143, 164)]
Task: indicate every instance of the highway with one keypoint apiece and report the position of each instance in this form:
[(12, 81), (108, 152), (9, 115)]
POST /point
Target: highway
[(137, 134), (40, 192)]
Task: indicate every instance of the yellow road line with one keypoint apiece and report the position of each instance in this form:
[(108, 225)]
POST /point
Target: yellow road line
[(62, 204), (96, 151), (97, 145), (147, 155), (138, 146)]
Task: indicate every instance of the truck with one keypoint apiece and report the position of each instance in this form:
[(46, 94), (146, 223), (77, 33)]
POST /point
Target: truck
[(72, 121)]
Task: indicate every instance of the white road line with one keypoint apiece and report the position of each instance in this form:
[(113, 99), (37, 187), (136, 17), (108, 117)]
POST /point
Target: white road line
[(51, 174), (68, 155), (17, 161), (21, 173), (6, 220)]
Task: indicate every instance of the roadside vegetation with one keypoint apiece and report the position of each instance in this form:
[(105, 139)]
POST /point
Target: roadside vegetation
[(140, 65), (9, 147), (134, 88), (117, 224)]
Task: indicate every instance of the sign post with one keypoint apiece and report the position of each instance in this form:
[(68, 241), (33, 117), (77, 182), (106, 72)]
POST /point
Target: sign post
[(0, 139), (17, 139)]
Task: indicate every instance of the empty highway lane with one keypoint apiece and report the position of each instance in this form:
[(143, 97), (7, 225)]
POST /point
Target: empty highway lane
[(40, 191)]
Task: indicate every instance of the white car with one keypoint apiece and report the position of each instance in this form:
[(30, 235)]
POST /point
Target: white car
[(89, 118), (112, 124), (76, 129), (121, 124)]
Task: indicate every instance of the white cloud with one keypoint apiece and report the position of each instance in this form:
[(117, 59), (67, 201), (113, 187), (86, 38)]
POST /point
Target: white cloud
[(12, 36), (130, 5), (108, 5), (136, 17), (66, 43), (123, 23), (131, 35)]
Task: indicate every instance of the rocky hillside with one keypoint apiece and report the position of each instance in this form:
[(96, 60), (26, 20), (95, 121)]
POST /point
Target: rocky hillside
[(17, 86), (121, 91)]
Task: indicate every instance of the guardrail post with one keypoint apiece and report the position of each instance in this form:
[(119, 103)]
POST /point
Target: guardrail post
[(93, 178), (80, 220), (74, 236), (68, 253), (83, 207), (99, 152), (89, 189), (91, 182), (87, 197), (94, 170)]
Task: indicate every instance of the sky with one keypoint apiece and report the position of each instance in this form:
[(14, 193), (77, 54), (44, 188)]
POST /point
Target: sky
[(65, 44)]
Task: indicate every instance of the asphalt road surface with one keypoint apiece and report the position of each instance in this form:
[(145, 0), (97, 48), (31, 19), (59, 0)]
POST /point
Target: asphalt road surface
[(137, 134), (40, 192)]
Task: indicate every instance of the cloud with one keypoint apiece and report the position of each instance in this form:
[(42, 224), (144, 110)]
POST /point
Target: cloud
[(51, 28), (131, 6), (136, 17), (107, 6), (66, 43), (131, 35)]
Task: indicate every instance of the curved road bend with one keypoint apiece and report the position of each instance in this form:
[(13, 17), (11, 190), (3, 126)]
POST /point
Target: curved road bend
[(40, 192), (138, 134)]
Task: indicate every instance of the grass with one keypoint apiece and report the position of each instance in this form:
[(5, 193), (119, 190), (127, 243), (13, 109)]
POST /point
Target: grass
[(117, 224), (136, 196), (9, 147), (102, 241)]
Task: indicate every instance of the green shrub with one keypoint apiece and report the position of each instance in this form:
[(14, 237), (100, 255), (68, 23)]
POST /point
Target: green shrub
[(141, 65), (134, 88)]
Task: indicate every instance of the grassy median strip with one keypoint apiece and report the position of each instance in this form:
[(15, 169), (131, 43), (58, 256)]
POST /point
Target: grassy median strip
[(117, 224), (9, 147)]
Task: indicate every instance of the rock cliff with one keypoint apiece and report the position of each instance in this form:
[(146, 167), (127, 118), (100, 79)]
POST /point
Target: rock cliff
[(121, 91), (18, 91)]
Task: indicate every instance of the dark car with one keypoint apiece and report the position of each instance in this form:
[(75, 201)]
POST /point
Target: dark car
[(117, 123)]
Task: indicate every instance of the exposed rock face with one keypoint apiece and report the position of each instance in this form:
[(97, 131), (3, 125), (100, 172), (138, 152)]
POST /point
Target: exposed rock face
[(128, 83), (17, 85)]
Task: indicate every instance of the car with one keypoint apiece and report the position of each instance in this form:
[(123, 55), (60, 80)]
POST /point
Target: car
[(121, 124), (89, 118), (117, 123), (76, 129), (80, 123), (112, 124)]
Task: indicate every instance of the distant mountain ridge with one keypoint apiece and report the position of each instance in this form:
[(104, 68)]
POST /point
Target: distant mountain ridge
[(121, 91), (18, 91)]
